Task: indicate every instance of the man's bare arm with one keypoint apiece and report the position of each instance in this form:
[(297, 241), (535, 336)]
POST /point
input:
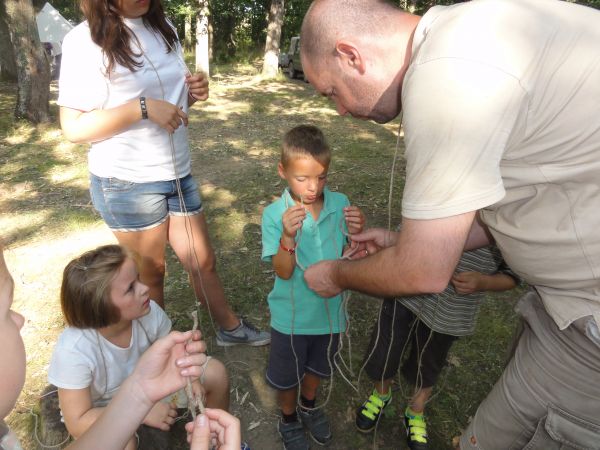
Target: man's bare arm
[(479, 236), (422, 261)]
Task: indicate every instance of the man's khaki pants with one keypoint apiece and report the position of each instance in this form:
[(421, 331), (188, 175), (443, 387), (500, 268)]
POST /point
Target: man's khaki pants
[(548, 397)]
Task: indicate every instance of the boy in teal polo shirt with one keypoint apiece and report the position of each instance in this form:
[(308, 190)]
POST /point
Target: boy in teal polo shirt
[(309, 223)]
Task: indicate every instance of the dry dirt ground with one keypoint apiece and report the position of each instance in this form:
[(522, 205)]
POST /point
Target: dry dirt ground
[(47, 219)]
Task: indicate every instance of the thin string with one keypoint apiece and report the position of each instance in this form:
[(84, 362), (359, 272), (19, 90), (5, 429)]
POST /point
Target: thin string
[(187, 220), (390, 196), (331, 359), (35, 431)]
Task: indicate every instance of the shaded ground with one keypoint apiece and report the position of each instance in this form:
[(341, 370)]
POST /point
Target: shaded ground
[(235, 136)]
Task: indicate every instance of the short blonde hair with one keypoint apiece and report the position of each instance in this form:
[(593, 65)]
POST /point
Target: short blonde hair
[(303, 141), (85, 292)]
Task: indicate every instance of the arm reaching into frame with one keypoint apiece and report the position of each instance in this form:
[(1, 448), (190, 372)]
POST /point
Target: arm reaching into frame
[(162, 370), (421, 259)]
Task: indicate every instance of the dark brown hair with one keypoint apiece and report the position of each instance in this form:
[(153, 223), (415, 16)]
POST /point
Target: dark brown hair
[(85, 292), (114, 37), (302, 141)]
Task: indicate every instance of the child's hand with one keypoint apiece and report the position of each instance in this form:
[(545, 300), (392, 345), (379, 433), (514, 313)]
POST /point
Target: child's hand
[(198, 86), (467, 282), (355, 220), (215, 428), (161, 416), (292, 220)]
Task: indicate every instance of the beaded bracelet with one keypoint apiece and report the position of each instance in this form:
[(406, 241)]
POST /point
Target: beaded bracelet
[(291, 251)]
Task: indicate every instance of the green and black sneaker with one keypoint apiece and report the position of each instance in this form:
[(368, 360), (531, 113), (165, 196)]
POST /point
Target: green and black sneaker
[(367, 415), (416, 430)]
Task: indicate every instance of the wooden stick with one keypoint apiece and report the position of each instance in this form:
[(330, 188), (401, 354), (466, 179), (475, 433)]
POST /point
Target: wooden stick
[(194, 402)]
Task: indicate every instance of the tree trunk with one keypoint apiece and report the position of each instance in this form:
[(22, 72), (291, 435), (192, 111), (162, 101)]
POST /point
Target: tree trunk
[(211, 41), (8, 66), (202, 63), (187, 40), (271, 60), (33, 70)]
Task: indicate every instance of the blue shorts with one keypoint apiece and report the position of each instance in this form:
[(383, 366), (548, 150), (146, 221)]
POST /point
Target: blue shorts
[(311, 354), (129, 206)]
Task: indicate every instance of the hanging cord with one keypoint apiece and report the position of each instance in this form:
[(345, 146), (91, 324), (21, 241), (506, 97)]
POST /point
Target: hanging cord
[(331, 359), (183, 207), (389, 227), (36, 418), (193, 401)]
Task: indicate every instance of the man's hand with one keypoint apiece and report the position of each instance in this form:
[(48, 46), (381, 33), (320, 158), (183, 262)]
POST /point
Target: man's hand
[(198, 86), (215, 428), (320, 277)]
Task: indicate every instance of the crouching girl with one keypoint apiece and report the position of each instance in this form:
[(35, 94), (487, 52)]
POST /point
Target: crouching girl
[(111, 322)]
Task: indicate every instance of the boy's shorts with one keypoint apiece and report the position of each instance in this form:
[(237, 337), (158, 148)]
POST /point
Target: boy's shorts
[(428, 349), (128, 206), (311, 354)]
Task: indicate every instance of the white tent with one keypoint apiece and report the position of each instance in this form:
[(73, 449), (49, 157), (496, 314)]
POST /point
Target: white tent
[(52, 27)]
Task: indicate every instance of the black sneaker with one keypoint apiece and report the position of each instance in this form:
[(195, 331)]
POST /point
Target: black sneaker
[(245, 333), (367, 415), (292, 435), (416, 431), (317, 424)]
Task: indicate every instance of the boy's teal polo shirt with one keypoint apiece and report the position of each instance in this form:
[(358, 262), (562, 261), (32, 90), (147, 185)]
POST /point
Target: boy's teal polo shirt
[(319, 240)]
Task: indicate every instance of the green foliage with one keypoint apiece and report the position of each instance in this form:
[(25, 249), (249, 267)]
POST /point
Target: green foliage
[(294, 13), (68, 8), (239, 26)]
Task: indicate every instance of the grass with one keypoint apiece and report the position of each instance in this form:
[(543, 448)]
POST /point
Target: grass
[(235, 137)]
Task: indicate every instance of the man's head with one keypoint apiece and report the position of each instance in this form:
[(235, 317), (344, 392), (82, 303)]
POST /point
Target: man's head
[(356, 53)]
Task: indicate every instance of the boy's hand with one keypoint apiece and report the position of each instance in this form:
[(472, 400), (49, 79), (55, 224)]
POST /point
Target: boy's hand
[(467, 282), (375, 239), (161, 416), (292, 220), (355, 220)]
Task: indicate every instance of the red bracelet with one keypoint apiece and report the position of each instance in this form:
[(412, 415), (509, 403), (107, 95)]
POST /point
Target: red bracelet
[(291, 251)]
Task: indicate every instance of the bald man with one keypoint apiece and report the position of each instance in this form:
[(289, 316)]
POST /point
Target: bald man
[(501, 102)]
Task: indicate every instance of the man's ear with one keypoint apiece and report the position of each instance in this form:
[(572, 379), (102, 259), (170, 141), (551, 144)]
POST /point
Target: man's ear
[(350, 55)]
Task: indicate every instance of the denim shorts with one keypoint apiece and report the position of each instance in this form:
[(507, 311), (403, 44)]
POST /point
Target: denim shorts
[(310, 356), (129, 206)]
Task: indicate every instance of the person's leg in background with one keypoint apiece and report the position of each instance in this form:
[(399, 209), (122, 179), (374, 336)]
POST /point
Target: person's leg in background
[(382, 360)]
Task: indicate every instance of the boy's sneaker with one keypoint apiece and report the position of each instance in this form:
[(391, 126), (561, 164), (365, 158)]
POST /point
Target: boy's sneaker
[(292, 435), (416, 430), (245, 333), (367, 415), (317, 424)]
